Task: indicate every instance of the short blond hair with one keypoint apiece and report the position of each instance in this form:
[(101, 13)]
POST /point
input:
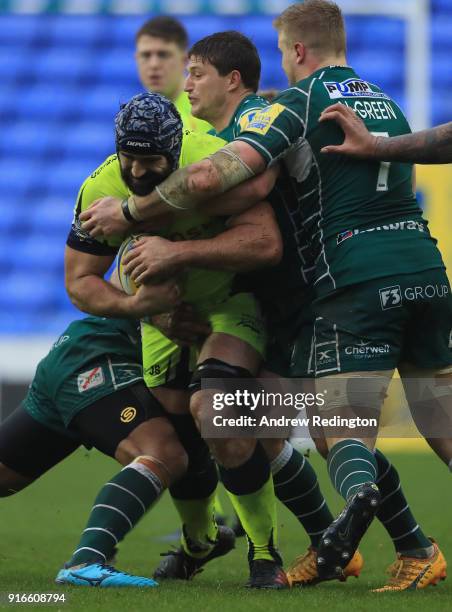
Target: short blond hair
[(318, 24)]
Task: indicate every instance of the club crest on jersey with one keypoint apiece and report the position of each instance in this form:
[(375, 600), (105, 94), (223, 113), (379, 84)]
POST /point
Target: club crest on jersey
[(352, 88), (90, 379), (262, 120)]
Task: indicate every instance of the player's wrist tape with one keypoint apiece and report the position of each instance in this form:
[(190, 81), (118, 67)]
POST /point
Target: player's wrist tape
[(130, 211), (126, 211)]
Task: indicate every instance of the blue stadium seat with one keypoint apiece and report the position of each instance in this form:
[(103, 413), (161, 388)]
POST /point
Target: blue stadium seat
[(77, 30), (28, 291), (442, 72), (19, 30), (441, 111), (59, 67), (47, 101), (36, 249), (443, 7), (52, 216), (441, 33), (14, 64), (10, 216), (385, 70), (90, 139), (68, 174), (118, 66)]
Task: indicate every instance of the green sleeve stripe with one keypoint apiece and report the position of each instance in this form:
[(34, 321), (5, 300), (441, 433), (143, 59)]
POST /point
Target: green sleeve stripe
[(307, 105), (257, 145), (295, 115), (272, 127), (299, 89)]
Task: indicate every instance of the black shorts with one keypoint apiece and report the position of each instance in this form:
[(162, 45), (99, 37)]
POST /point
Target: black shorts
[(112, 418), (30, 448)]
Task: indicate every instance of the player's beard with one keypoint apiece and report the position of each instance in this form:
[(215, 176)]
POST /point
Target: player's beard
[(145, 184)]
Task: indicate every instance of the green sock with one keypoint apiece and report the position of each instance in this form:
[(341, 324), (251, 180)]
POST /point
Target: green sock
[(350, 465), (199, 528), (118, 507), (297, 487), (250, 488), (395, 514)]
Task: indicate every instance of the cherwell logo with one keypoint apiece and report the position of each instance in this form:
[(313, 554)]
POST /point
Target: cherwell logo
[(390, 297), (366, 350)]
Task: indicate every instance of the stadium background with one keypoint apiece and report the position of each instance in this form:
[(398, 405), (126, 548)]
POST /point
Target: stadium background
[(65, 65)]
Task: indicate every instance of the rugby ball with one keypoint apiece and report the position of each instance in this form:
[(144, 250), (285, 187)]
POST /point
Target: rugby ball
[(127, 284)]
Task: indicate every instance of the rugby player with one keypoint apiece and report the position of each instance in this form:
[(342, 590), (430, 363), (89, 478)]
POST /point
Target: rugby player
[(89, 390), (228, 105), (161, 57), (232, 350), (433, 146), (336, 256), (224, 72)]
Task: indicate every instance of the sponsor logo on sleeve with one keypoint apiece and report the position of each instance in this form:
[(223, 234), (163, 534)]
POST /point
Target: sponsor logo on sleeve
[(246, 118), (352, 88), (90, 379), (263, 120)]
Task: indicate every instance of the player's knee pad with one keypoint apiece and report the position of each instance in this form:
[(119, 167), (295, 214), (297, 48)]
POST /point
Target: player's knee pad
[(215, 368)]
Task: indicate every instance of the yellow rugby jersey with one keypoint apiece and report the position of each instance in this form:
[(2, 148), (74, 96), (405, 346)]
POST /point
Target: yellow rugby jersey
[(199, 284)]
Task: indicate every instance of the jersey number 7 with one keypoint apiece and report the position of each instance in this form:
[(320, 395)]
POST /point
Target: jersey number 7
[(383, 173)]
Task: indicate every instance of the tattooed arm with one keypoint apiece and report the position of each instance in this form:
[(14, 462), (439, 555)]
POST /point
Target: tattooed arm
[(432, 146), (184, 190)]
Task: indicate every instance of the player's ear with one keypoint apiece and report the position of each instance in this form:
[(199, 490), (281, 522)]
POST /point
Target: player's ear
[(235, 80), (300, 52)]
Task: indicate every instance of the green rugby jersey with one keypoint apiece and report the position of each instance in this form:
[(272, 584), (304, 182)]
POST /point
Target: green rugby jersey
[(199, 284), (243, 114), (272, 285), (353, 220), (83, 341)]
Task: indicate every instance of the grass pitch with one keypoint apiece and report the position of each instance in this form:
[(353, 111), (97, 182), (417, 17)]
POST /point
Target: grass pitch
[(40, 527)]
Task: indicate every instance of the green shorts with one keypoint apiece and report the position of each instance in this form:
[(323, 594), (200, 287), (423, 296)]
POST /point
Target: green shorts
[(54, 400), (290, 338), (378, 324), (238, 316)]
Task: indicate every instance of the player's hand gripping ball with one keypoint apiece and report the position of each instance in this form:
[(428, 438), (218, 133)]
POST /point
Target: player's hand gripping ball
[(127, 283)]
